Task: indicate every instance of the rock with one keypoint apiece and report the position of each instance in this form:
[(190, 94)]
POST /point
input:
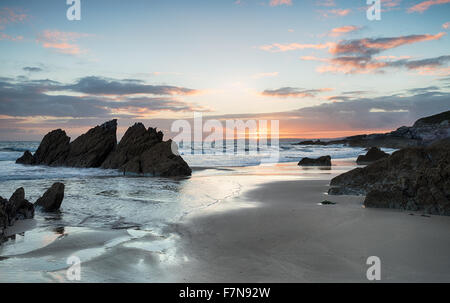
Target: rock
[(161, 161), (92, 148), (3, 215), (18, 208), (26, 159), (135, 141), (53, 149), (52, 198), (141, 151), (322, 161), (424, 132), (412, 178), (326, 202), (374, 154)]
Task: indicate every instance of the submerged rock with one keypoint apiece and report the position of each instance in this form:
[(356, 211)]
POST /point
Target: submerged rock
[(321, 161), (374, 154), (52, 198), (412, 178)]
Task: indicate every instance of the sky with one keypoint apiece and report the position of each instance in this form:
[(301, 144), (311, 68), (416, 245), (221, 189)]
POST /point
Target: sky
[(320, 67)]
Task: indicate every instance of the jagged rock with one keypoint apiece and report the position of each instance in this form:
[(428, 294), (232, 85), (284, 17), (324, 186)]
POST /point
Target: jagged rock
[(18, 208), (374, 154), (322, 161), (141, 151), (26, 159), (136, 141), (52, 198), (53, 149), (161, 161), (412, 178), (92, 148)]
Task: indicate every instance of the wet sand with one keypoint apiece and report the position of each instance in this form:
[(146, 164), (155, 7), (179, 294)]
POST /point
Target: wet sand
[(288, 237)]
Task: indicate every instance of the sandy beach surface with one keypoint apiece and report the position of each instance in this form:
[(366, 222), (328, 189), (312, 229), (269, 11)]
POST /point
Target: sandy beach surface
[(266, 224), (288, 237)]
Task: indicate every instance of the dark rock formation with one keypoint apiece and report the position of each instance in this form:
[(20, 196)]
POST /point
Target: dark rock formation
[(3, 218), (412, 178), (27, 159), (374, 154), (93, 147), (52, 198), (424, 132), (322, 161), (18, 208), (141, 151), (136, 141), (161, 161)]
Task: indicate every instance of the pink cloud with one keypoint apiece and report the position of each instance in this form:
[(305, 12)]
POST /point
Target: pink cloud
[(280, 2), (446, 25), (339, 31), (9, 16), (62, 42), (278, 47), (423, 6)]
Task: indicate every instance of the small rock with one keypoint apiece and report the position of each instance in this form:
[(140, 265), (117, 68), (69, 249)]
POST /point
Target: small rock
[(52, 198), (374, 154), (322, 161)]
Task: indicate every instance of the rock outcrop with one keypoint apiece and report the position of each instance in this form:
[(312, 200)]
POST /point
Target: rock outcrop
[(141, 151), (374, 154), (18, 208), (52, 198), (135, 141), (412, 178), (92, 148), (321, 161), (424, 132), (161, 161)]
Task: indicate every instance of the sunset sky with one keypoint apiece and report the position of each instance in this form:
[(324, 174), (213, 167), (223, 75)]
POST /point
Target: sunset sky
[(319, 66)]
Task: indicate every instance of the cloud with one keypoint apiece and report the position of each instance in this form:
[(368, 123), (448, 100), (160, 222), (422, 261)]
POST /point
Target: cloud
[(39, 98), (103, 86), (358, 56), (425, 5), (32, 69), (446, 25), (278, 47), (280, 2), (10, 16), (62, 42), (369, 46), (336, 12), (339, 31), (293, 92)]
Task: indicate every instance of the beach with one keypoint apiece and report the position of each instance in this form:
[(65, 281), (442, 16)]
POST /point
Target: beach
[(260, 224)]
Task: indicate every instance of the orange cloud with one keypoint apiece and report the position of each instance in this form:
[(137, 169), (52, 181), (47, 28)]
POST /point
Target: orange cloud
[(339, 31), (278, 47), (336, 12), (423, 6), (62, 42), (367, 46), (280, 2)]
